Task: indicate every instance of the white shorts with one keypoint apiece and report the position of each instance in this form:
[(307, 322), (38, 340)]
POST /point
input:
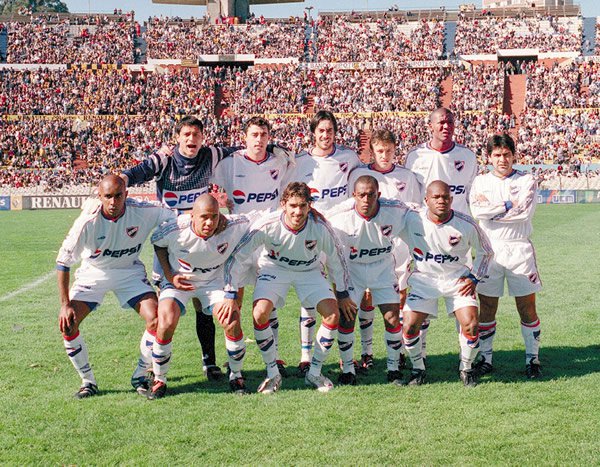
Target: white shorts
[(426, 290), (403, 259), (514, 261), (379, 278), (91, 285), (208, 293), (273, 284)]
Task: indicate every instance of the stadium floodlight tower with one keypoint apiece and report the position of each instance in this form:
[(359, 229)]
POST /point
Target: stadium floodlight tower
[(228, 8)]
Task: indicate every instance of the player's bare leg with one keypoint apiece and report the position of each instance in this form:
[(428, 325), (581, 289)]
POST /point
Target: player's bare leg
[(411, 327), (530, 329), (488, 306), (392, 340), (266, 344), (76, 348), (147, 308), (468, 338), (326, 335)]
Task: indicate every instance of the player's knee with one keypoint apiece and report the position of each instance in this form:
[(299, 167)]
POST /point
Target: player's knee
[(333, 319), (152, 323), (471, 327), (346, 323)]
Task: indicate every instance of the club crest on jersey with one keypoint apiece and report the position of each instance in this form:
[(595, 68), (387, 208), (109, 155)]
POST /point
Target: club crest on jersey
[(386, 230), (185, 265), (459, 165), (533, 277), (131, 231), (343, 166), (222, 248), (310, 244), (454, 240), (274, 173), (514, 190), (400, 186)]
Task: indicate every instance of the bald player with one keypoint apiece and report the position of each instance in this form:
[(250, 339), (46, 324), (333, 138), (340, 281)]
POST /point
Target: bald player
[(108, 240), (192, 252), (441, 241)]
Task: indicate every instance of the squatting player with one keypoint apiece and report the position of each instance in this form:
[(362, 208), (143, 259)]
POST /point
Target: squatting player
[(192, 254), (504, 202), (108, 242), (367, 228), (294, 240), (325, 169), (440, 240)]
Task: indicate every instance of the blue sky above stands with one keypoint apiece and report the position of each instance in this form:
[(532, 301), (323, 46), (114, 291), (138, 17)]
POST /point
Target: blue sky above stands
[(145, 8)]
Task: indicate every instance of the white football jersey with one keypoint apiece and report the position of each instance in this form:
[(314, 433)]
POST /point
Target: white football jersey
[(289, 249), (368, 240), (397, 183), (504, 206), (327, 176), (202, 258), (106, 244), (253, 186), (456, 166), (444, 250)]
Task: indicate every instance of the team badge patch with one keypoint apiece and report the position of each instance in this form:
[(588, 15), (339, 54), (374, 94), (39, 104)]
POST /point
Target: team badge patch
[(310, 244), (454, 240), (386, 230), (131, 231), (459, 165), (514, 190), (274, 173), (533, 277), (343, 166), (222, 247), (400, 186)]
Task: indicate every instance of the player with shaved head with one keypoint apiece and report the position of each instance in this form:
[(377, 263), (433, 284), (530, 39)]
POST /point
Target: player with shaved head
[(192, 252), (108, 240), (441, 241)]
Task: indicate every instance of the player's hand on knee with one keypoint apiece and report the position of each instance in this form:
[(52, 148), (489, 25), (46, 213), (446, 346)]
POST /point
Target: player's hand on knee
[(467, 287), (182, 282), (225, 311), (347, 308), (67, 320)]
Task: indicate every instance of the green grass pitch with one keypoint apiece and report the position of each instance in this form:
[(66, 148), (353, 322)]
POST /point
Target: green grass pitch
[(505, 420)]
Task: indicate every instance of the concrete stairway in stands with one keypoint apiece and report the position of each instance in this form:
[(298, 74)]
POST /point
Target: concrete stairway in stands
[(514, 98)]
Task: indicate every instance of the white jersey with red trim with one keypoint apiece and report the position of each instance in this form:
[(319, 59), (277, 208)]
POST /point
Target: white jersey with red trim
[(444, 250), (289, 249), (327, 176), (457, 167), (253, 186), (105, 244), (369, 240), (396, 183), (201, 258), (504, 206)]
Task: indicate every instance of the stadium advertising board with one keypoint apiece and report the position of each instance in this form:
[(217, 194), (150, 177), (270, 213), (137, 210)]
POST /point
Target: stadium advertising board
[(4, 203), (53, 202)]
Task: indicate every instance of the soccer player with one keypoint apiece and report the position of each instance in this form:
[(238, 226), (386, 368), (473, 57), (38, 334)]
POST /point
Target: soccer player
[(367, 228), (253, 180), (443, 159), (294, 240), (180, 178), (398, 183), (440, 240), (325, 169), (192, 255), (108, 242), (504, 202)]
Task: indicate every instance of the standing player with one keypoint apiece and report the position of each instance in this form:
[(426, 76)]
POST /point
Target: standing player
[(108, 242), (440, 240), (192, 254), (294, 241), (325, 169), (443, 159), (253, 180), (398, 183), (504, 202), (367, 228), (180, 178)]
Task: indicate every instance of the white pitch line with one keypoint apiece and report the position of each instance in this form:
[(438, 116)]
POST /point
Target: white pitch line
[(31, 285)]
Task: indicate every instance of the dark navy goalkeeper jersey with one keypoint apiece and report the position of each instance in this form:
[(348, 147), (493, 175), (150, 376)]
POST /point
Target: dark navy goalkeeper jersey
[(179, 180)]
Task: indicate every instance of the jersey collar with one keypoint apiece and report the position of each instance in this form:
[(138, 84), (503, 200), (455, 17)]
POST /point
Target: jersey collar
[(289, 229), (113, 219), (450, 217), (391, 169), (442, 152), (365, 217)]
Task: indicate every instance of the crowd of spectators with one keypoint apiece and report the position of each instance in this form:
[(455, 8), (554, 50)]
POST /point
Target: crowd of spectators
[(479, 87), (547, 33), (342, 39), (167, 39), (70, 40), (558, 86)]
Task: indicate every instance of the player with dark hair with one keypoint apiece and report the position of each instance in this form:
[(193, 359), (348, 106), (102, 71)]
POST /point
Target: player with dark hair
[(504, 202)]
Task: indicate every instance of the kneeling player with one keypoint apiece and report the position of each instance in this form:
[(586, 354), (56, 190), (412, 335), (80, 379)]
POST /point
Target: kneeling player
[(504, 202), (108, 240), (192, 252), (294, 240), (367, 228), (441, 240)]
